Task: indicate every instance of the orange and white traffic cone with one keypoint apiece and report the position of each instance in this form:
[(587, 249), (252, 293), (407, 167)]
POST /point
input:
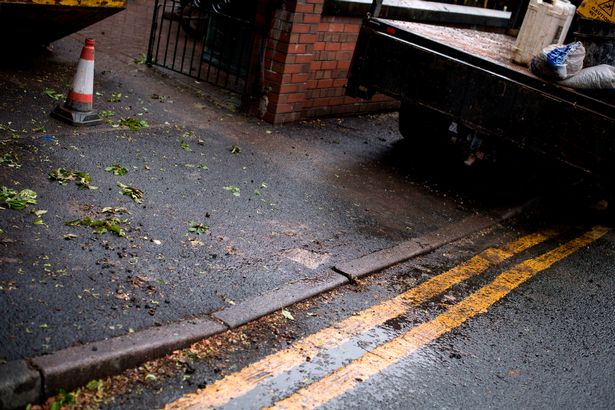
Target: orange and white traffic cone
[(77, 109)]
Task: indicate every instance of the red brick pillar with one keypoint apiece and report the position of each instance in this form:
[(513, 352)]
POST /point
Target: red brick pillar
[(288, 59)]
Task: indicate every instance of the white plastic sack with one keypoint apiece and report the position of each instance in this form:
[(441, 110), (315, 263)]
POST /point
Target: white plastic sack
[(558, 62), (600, 77)]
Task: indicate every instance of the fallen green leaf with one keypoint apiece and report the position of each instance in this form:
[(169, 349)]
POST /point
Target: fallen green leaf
[(198, 229), (142, 59), (70, 236), (116, 169), (115, 210), (107, 114), (38, 212), (17, 199), (51, 93), (233, 189), (115, 97), (287, 314), (64, 176), (39, 221), (133, 124), (94, 384), (10, 159), (235, 149), (184, 145), (101, 226), (134, 193)]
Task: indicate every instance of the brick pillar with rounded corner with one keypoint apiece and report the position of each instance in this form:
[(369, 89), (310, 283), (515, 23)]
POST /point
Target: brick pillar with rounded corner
[(288, 59)]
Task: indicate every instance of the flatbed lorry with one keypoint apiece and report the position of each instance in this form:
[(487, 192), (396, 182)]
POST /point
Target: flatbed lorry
[(465, 79)]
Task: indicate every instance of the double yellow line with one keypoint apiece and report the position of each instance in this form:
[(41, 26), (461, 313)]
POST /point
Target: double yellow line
[(371, 363)]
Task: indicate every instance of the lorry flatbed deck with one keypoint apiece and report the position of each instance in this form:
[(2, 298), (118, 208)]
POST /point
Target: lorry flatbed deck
[(495, 47), (467, 77)]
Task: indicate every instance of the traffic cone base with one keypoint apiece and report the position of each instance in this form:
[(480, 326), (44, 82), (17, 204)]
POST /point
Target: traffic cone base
[(77, 118), (77, 109)]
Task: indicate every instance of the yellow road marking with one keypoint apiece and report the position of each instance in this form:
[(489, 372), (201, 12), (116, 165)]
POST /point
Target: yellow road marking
[(243, 381), (371, 363)]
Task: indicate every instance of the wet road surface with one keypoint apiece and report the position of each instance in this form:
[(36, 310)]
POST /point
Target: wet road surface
[(490, 362), (295, 201), (505, 318)]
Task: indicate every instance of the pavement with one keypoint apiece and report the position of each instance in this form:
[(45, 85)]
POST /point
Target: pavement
[(232, 208)]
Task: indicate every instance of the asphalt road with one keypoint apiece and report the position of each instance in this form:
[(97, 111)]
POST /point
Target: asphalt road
[(297, 200), (545, 344)]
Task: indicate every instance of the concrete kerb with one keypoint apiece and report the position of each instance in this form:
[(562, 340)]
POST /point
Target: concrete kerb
[(290, 294), (19, 385), (23, 382), (382, 259)]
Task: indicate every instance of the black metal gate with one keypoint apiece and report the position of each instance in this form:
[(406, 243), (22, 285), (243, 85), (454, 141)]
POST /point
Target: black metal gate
[(210, 40)]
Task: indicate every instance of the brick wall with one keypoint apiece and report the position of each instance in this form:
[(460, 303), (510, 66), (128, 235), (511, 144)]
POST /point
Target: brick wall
[(306, 62)]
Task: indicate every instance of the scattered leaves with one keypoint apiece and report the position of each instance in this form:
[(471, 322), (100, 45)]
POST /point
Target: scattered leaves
[(142, 59), (39, 217), (185, 146), (115, 210), (116, 169), (107, 114), (235, 149), (198, 229), (95, 385), (62, 399), (64, 176), (115, 97), (53, 94), (8, 285), (133, 124), (38, 127), (134, 193), (70, 236), (101, 226), (233, 189), (10, 159), (17, 199)]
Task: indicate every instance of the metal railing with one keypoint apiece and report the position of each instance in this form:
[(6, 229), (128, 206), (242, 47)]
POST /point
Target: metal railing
[(202, 40)]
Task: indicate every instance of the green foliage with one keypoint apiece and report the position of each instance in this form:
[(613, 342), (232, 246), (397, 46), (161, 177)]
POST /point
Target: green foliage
[(198, 229), (101, 226), (184, 145), (53, 94), (115, 97), (17, 199), (10, 159), (135, 193), (133, 124), (142, 59), (116, 169), (64, 176), (233, 189)]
